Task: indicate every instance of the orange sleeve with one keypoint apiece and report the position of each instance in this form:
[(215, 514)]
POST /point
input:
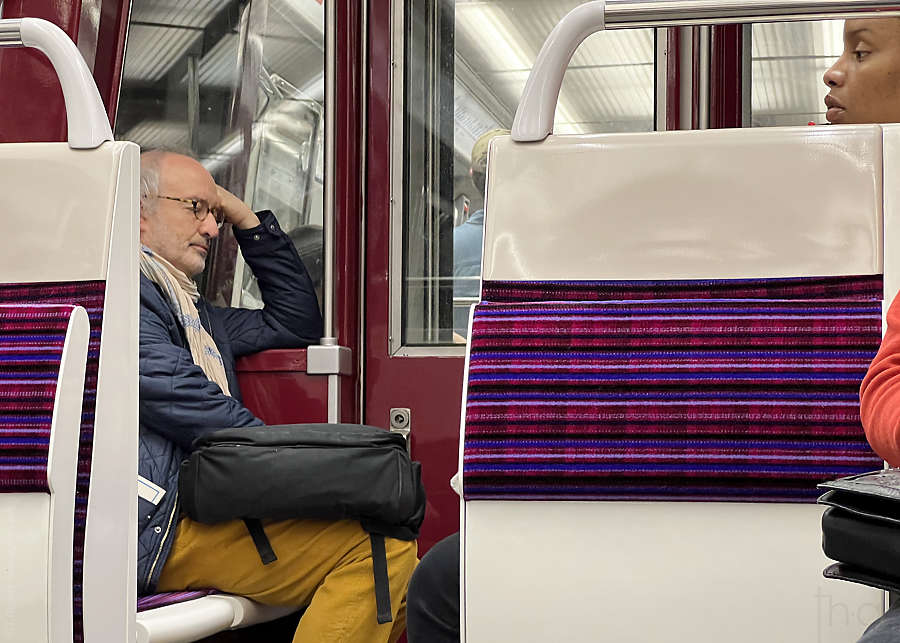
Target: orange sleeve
[(879, 394)]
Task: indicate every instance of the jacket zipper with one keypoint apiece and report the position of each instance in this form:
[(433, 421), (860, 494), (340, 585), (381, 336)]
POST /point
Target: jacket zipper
[(164, 538)]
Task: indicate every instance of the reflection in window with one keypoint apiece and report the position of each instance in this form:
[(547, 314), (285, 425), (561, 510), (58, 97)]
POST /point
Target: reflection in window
[(240, 86), (789, 60), (466, 64)]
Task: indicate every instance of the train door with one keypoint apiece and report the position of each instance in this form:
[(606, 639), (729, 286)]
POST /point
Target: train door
[(444, 76)]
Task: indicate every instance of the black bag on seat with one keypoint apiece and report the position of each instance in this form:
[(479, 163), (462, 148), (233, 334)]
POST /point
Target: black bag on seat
[(307, 471), (861, 528)]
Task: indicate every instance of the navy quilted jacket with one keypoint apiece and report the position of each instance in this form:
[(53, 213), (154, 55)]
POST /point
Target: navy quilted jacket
[(178, 403)]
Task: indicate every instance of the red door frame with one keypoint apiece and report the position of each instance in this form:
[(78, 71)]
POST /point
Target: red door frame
[(430, 386), (726, 76), (349, 159)]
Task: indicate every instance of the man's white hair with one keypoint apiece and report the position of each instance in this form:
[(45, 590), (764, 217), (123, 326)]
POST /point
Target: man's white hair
[(150, 171), (149, 181)]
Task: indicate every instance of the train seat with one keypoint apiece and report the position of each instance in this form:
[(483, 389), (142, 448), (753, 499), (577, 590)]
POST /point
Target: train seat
[(665, 360), (73, 245)]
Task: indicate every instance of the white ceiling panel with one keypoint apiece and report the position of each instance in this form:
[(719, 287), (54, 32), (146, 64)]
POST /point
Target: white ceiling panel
[(218, 67), (155, 133), (192, 13), (609, 83), (153, 50)]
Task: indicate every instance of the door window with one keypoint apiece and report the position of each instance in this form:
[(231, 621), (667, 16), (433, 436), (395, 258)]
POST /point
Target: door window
[(788, 62), (239, 86), (465, 64)]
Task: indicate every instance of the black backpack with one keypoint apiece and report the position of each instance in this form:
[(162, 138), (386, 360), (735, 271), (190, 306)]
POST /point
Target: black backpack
[(308, 471)]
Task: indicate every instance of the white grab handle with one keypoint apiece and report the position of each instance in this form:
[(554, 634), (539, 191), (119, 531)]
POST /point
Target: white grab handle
[(86, 116), (534, 116)]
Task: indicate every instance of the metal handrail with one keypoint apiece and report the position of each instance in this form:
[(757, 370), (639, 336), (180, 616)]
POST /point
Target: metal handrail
[(85, 114), (670, 13), (534, 117)]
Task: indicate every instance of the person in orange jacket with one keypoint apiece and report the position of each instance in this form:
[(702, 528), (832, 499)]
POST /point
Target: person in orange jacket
[(865, 88)]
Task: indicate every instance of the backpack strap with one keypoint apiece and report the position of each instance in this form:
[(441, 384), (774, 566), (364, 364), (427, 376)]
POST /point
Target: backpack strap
[(263, 546), (382, 586)]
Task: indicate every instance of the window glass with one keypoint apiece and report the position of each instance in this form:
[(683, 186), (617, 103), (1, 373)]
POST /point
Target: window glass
[(788, 62), (239, 86), (465, 65)]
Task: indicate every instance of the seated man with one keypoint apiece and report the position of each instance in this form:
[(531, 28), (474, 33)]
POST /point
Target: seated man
[(188, 387), (865, 88)]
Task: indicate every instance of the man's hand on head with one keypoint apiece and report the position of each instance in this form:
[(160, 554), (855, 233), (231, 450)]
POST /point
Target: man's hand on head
[(236, 211)]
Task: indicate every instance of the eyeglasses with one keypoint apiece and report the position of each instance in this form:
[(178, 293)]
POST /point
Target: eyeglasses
[(200, 209)]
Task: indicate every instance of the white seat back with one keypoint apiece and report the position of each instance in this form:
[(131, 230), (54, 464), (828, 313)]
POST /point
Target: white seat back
[(73, 238), (713, 205), (746, 203)]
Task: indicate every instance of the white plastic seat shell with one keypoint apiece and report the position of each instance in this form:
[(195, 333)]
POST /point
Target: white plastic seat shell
[(202, 617)]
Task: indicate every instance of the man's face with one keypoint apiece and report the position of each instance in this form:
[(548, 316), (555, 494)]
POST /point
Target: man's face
[(865, 81), (172, 230)]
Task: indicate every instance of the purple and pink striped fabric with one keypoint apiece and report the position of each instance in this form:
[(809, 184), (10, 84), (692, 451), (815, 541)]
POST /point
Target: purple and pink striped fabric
[(32, 338), (170, 598), (90, 295), (725, 397), (861, 288)]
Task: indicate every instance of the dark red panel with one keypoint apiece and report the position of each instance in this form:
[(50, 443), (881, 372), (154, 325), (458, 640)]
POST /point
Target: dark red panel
[(725, 76), (276, 388), (38, 113), (291, 360), (695, 73), (348, 205), (673, 79), (111, 53), (430, 386)]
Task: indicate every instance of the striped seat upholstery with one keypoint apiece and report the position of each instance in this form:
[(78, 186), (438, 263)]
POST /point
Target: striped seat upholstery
[(32, 338), (744, 390)]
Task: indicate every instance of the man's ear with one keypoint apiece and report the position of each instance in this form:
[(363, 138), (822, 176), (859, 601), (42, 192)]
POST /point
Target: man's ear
[(144, 223)]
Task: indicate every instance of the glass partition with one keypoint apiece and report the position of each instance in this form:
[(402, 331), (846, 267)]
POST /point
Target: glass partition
[(788, 62), (465, 64), (239, 85)]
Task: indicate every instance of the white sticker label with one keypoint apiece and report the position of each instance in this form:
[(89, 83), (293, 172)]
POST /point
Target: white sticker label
[(149, 491)]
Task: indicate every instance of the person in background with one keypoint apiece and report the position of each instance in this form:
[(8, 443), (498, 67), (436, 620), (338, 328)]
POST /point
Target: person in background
[(469, 236), (188, 387), (864, 87)]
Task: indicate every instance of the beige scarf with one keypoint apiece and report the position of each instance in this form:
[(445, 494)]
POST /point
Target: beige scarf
[(182, 294)]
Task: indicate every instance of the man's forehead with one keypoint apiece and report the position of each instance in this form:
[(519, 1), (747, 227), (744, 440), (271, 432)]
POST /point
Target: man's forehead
[(186, 173)]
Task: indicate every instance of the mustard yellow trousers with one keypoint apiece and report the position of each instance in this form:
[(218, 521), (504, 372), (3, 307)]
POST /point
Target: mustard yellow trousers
[(325, 566)]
